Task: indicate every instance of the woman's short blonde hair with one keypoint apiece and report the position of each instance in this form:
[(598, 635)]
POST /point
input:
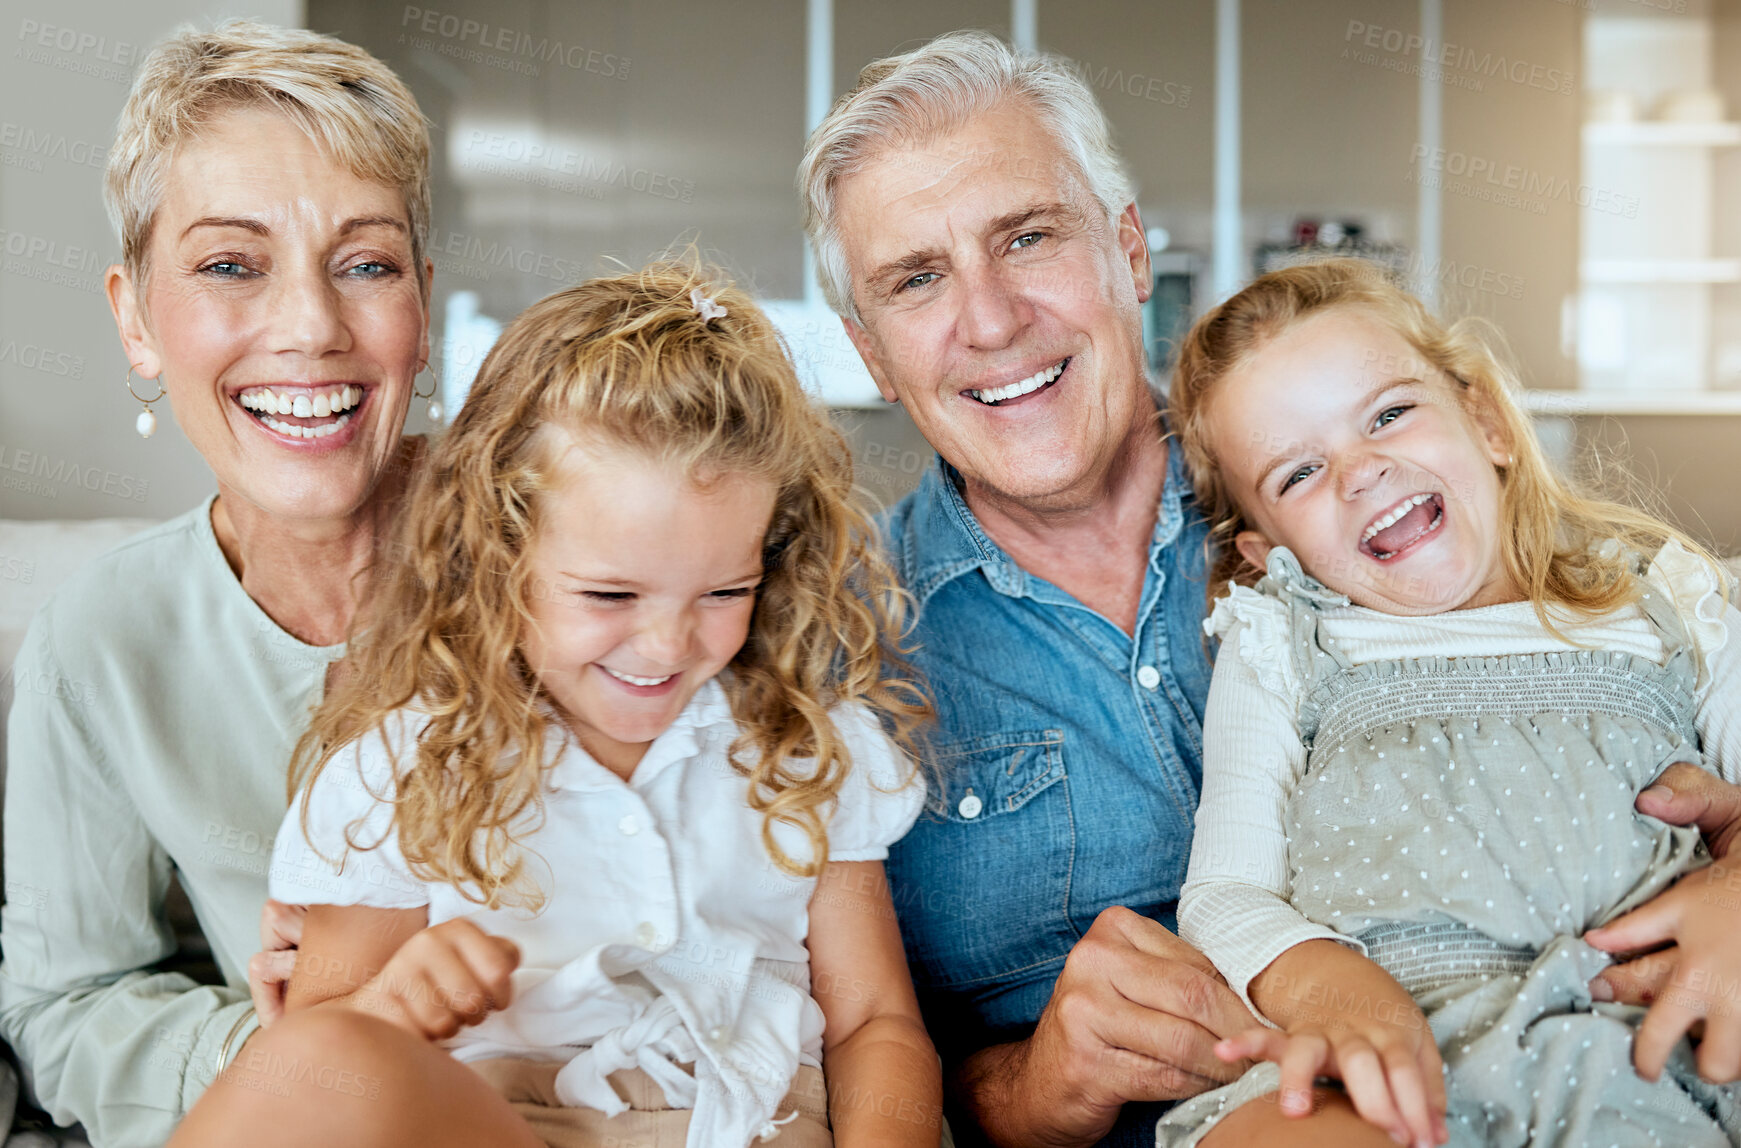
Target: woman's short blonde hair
[(349, 103)]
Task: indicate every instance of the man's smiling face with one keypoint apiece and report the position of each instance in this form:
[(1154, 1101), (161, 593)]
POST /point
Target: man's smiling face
[(999, 305)]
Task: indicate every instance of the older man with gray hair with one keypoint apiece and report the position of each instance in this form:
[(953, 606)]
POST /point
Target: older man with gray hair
[(975, 229), (977, 233)]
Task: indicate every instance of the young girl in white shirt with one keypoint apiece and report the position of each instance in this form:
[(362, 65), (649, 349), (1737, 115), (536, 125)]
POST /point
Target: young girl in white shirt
[(1428, 724), (591, 830)]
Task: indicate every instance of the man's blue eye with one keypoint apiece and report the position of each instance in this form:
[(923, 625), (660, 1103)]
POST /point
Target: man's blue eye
[(1027, 240), (920, 279)]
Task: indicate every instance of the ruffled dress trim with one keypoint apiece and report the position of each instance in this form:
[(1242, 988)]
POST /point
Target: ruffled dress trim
[(1699, 594)]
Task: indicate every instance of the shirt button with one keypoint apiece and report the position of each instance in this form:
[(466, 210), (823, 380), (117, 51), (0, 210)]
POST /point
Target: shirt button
[(970, 806), (718, 1035), (1148, 677), (628, 826), (646, 934)]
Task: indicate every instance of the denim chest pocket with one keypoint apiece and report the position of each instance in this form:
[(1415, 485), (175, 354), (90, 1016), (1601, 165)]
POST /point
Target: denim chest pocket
[(988, 776), (982, 883)]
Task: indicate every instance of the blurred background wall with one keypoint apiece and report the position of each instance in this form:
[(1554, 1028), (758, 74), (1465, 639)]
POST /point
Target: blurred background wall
[(1568, 169)]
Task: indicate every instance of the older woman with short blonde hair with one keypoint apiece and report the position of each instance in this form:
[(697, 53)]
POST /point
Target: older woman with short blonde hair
[(271, 191)]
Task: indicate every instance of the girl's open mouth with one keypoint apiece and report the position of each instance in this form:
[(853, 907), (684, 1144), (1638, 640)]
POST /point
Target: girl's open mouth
[(641, 687), (1403, 526)]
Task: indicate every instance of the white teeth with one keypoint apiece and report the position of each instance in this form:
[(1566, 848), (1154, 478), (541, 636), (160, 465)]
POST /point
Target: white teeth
[(1027, 386), (1395, 516), (295, 431), (635, 681), (302, 404)]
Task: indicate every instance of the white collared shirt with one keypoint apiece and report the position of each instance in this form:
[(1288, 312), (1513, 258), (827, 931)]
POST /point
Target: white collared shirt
[(667, 934)]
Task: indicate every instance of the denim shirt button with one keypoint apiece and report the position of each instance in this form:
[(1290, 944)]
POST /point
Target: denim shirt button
[(1148, 677), (970, 806)]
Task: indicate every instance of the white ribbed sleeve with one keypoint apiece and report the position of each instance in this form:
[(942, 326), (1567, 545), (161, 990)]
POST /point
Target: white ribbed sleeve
[(1234, 905)]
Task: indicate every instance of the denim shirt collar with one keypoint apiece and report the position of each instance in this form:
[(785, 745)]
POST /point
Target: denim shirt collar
[(947, 540)]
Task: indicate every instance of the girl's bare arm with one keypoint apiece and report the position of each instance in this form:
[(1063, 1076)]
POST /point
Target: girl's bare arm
[(885, 1085)]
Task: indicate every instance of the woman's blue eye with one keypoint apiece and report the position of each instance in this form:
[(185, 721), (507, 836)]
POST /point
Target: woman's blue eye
[(373, 268), (225, 268), (1389, 416), (1296, 476)]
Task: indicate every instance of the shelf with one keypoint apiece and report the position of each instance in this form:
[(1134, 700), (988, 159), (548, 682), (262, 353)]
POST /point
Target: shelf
[(1661, 271), (1667, 403), (1657, 133)]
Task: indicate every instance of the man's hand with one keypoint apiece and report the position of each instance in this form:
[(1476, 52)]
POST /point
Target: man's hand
[(1683, 795), (1135, 1015), (1702, 915), (269, 969)]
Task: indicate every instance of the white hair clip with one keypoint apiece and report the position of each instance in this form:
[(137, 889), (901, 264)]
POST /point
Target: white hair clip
[(705, 307)]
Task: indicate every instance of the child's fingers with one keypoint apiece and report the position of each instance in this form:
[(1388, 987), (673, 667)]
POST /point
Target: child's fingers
[(435, 984), (1433, 1075), (490, 961), (1409, 1092), (1301, 1061), (1253, 1044), (1363, 1074)]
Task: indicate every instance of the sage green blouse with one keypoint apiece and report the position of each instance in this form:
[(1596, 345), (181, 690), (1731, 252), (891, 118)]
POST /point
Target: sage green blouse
[(156, 707)]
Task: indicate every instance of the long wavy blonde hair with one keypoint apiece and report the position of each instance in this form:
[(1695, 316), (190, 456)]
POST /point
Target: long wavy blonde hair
[(1554, 533), (630, 361)]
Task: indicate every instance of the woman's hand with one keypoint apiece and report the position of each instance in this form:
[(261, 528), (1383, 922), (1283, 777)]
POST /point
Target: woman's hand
[(1697, 980), (442, 979), (269, 969)]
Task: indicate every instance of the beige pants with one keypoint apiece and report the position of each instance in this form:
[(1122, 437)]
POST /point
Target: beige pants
[(530, 1086)]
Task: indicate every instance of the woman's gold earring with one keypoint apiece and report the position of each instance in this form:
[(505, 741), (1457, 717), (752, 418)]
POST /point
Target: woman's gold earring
[(146, 423), (435, 411)]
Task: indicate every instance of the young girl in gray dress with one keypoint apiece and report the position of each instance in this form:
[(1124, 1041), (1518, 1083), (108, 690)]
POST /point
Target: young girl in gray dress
[(1428, 725)]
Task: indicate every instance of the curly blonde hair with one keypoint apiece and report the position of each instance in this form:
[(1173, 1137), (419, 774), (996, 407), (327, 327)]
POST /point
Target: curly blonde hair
[(1554, 533), (629, 361)]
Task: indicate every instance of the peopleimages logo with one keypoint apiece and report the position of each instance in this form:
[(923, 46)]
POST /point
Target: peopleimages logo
[(460, 32), (1455, 64)]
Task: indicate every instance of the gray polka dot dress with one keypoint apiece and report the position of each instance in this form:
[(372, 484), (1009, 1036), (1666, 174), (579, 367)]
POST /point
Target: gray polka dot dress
[(1467, 820)]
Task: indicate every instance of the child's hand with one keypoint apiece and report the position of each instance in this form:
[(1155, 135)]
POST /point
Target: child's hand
[(1701, 914), (443, 978), (1391, 1069)]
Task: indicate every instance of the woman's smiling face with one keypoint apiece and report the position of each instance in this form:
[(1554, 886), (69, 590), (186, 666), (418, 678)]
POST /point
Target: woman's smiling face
[(283, 314), (1341, 442)]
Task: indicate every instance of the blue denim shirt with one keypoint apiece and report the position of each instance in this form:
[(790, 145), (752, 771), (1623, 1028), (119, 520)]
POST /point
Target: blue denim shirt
[(1068, 755)]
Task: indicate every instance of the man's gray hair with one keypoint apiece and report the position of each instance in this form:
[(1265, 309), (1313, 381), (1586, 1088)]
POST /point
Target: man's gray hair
[(929, 91)]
